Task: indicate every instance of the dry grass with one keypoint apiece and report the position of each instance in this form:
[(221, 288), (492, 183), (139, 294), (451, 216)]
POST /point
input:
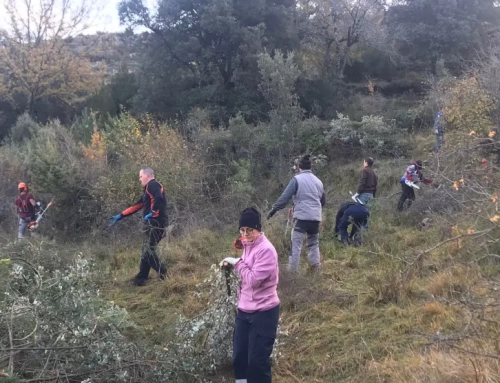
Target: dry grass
[(435, 367), (452, 282), (364, 318)]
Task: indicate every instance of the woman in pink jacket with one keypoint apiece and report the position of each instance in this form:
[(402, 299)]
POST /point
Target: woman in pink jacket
[(258, 303)]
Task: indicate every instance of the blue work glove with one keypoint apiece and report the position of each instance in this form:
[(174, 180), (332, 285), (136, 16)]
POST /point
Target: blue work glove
[(115, 219), (147, 217)]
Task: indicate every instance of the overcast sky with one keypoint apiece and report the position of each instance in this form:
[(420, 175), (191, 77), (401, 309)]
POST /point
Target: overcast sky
[(107, 21)]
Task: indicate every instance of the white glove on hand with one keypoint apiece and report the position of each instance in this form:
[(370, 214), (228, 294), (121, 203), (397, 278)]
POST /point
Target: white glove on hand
[(229, 260), (412, 184), (356, 199)]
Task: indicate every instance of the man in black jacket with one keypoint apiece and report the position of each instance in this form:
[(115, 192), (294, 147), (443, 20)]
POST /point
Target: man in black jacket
[(154, 210)]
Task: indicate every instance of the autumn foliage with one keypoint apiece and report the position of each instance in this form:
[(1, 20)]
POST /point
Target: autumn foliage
[(35, 60), (468, 107)]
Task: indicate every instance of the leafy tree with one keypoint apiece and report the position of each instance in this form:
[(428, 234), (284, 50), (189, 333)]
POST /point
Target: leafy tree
[(451, 29), (279, 76), (204, 53), (35, 61), (115, 95), (468, 107), (335, 27)]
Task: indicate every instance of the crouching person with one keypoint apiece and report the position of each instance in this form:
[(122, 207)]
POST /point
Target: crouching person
[(258, 302), (351, 213)]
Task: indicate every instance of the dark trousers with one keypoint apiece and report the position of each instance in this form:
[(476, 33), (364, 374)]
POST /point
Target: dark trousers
[(358, 220), (307, 227), (407, 194), (355, 214), (253, 343), (154, 232)]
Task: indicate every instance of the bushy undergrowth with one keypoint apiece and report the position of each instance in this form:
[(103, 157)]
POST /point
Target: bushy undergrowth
[(55, 323), (371, 132)]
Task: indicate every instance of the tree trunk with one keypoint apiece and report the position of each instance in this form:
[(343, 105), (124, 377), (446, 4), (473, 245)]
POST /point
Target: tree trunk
[(31, 106), (328, 54)]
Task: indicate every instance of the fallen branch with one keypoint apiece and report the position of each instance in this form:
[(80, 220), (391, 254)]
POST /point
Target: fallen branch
[(423, 253), (41, 348), (493, 356)]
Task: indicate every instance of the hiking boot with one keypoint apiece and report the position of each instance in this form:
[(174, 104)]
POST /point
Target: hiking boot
[(314, 270), (163, 273), (138, 282)]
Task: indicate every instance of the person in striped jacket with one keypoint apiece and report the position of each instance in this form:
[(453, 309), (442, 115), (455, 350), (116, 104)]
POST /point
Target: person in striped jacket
[(413, 175)]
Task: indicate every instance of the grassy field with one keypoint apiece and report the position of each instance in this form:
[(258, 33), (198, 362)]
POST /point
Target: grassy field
[(389, 311)]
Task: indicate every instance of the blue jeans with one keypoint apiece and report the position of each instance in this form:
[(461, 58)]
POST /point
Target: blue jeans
[(23, 225), (439, 141), (365, 197)]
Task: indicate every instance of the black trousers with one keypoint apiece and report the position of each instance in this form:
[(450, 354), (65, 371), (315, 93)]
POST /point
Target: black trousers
[(358, 216), (253, 343), (307, 227), (154, 232), (407, 194)]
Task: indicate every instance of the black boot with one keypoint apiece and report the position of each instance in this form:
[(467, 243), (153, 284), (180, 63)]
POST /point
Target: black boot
[(163, 272), (138, 281)]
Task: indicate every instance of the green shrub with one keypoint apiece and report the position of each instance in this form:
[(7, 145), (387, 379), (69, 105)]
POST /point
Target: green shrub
[(24, 128), (371, 133)]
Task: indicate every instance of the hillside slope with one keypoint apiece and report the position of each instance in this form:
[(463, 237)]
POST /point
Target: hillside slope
[(398, 309)]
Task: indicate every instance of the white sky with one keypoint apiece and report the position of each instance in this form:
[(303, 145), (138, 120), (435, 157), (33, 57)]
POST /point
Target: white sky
[(110, 22), (106, 21)]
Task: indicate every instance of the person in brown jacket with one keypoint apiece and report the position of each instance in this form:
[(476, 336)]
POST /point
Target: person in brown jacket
[(368, 183)]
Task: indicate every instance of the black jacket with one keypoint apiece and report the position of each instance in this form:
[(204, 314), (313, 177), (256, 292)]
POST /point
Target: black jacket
[(152, 200), (351, 208)]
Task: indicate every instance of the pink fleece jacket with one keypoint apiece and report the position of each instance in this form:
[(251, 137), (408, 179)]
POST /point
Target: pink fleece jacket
[(259, 272)]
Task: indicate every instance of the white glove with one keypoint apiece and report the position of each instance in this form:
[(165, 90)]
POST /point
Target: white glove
[(356, 199), (230, 260), (412, 184)]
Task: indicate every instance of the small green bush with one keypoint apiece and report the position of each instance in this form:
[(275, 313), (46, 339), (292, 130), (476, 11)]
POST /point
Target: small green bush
[(24, 128), (371, 133)]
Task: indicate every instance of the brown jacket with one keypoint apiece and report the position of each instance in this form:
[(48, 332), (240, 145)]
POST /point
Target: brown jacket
[(368, 182)]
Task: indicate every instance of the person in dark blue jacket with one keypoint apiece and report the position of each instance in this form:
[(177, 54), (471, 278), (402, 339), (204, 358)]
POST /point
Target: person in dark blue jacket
[(353, 213)]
